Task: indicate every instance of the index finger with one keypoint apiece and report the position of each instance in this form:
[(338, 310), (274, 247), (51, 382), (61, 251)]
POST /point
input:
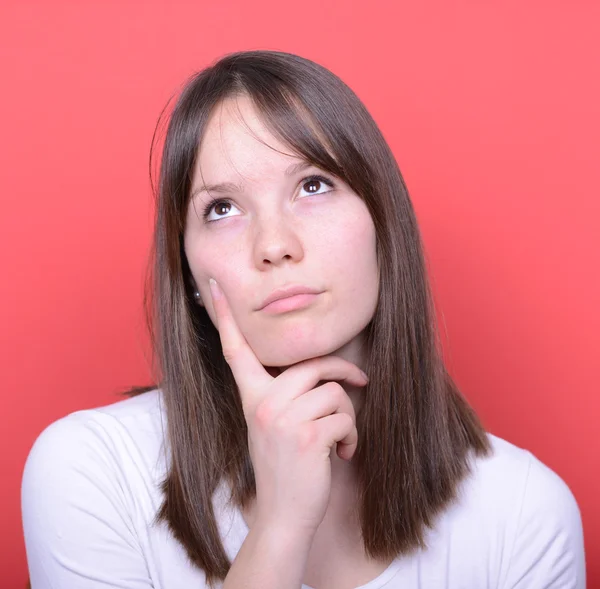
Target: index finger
[(247, 369)]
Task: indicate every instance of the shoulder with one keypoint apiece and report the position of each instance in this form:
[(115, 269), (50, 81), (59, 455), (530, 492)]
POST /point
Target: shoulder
[(511, 471), (139, 415), (96, 440), (538, 514), (89, 486)]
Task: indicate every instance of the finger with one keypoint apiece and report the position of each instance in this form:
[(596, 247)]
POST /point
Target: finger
[(340, 428), (321, 401), (301, 377), (247, 370)]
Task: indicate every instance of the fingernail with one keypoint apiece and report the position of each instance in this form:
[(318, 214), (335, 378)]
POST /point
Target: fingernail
[(364, 375), (215, 291)]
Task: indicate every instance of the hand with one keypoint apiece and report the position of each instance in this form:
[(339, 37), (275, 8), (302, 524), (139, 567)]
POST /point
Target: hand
[(292, 426)]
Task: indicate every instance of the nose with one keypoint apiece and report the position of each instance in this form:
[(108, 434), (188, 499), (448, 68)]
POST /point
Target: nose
[(276, 242)]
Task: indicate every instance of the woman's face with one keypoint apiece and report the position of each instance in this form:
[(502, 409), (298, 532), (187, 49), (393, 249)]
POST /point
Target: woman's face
[(279, 229)]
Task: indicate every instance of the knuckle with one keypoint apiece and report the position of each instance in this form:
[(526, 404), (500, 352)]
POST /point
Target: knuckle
[(346, 421), (264, 414), (349, 419), (307, 437), (321, 362), (336, 390), (314, 365), (282, 424)]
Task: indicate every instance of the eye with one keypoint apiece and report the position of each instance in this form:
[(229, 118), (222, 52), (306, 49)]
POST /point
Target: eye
[(221, 208), (317, 181)]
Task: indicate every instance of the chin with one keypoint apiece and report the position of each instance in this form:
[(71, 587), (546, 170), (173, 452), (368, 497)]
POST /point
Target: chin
[(284, 343), (293, 351), (279, 360)]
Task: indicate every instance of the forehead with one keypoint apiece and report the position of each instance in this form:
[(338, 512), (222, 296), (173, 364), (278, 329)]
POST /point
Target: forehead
[(232, 144)]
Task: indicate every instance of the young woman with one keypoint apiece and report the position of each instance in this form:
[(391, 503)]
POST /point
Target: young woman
[(287, 264)]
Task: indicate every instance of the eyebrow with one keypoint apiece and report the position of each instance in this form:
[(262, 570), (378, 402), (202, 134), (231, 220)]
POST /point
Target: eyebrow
[(225, 187)]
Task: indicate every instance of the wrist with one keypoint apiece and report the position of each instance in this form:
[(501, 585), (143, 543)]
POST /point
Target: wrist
[(283, 537)]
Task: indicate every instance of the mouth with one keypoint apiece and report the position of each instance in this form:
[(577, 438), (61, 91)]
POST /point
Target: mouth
[(290, 303), (289, 291)]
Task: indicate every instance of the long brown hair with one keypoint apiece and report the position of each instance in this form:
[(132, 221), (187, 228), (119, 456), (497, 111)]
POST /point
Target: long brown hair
[(416, 431)]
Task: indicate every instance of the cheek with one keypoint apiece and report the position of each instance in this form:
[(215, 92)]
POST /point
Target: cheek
[(349, 248), (220, 263), (354, 263)]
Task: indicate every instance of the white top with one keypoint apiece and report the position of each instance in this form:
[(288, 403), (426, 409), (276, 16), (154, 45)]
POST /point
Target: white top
[(90, 495)]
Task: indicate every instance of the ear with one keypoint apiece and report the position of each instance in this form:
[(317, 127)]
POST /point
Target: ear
[(194, 289)]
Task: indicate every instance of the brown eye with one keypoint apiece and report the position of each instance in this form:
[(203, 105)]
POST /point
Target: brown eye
[(222, 208), (312, 183), (216, 210)]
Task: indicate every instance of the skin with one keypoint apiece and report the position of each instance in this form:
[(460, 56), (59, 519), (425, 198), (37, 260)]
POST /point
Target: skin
[(281, 230)]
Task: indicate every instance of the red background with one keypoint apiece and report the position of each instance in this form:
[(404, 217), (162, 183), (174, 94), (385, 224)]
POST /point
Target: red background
[(492, 110)]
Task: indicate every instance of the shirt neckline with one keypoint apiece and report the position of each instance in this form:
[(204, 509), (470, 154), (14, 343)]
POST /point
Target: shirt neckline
[(375, 583)]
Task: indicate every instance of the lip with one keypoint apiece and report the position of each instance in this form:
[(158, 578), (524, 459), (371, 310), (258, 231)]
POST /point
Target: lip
[(288, 291)]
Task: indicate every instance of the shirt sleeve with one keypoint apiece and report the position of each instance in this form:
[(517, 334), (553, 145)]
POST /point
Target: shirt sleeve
[(76, 522), (548, 552)]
